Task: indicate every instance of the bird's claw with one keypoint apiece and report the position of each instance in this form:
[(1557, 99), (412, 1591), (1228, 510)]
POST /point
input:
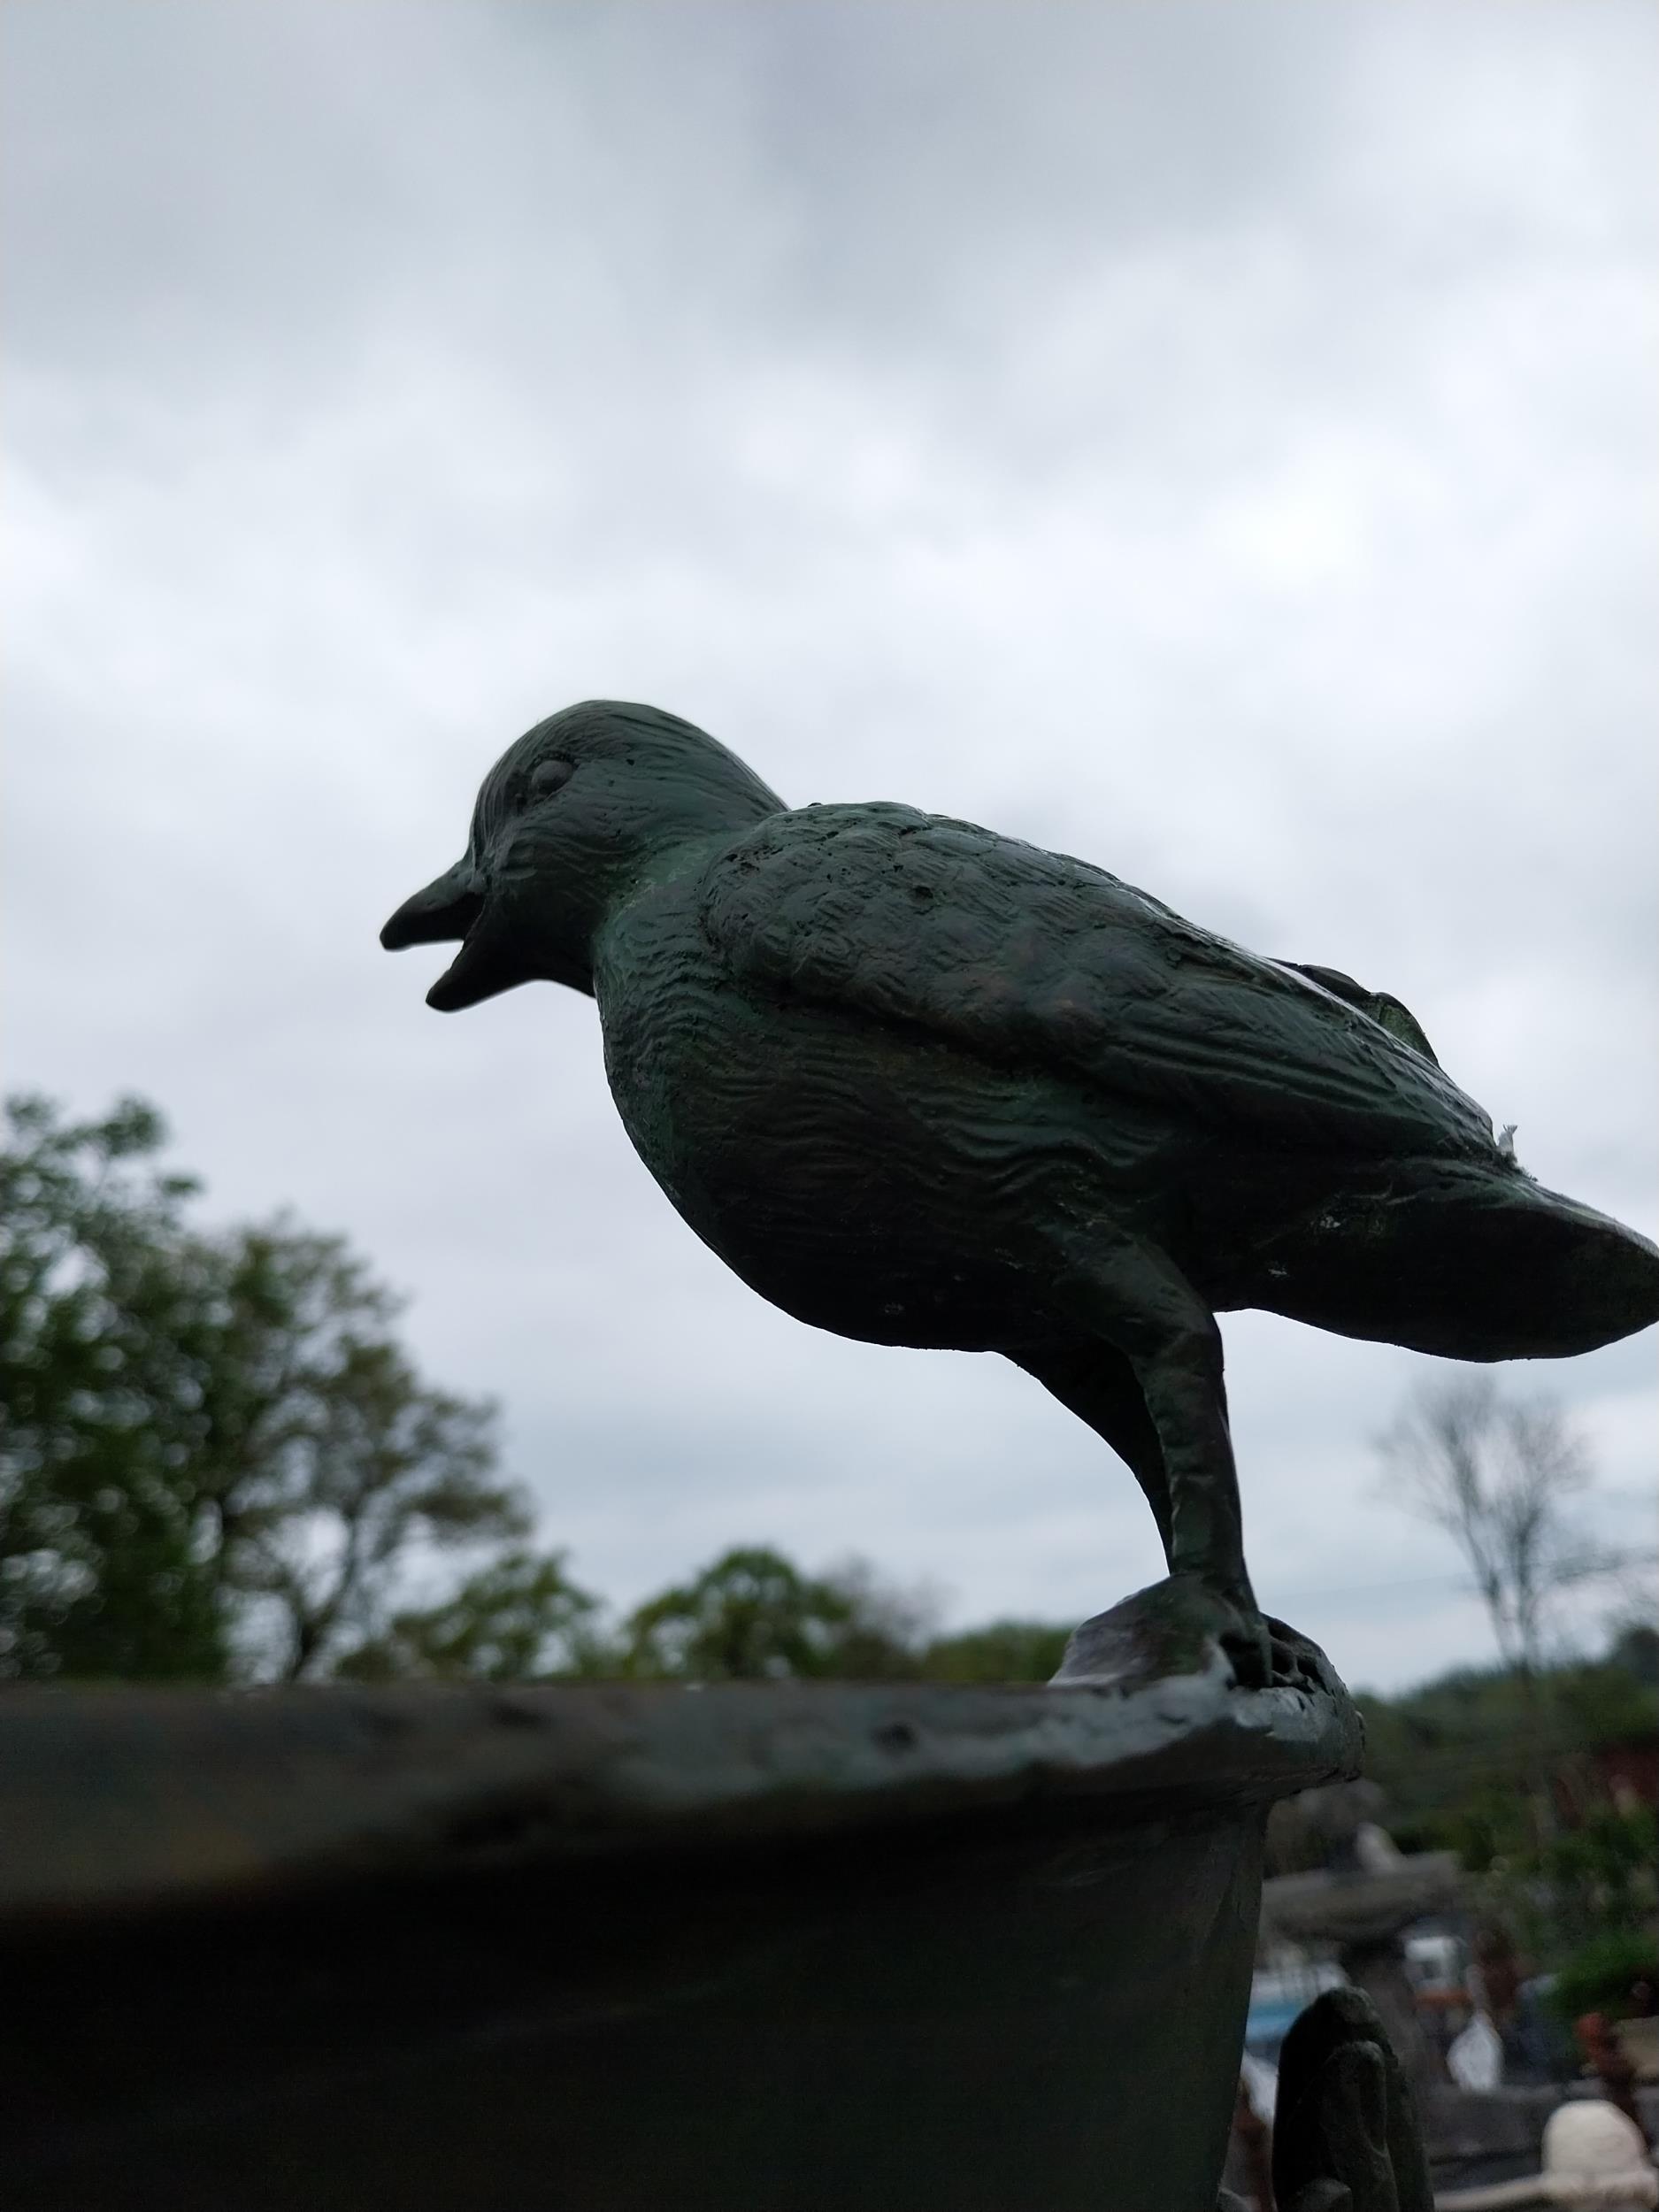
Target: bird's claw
[(1177, 1628), (1264, 1654), (1217, 1614), (1247, 1642)]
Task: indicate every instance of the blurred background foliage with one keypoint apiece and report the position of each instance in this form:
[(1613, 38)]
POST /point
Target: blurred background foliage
[(215, 1457), (1454, 1757)]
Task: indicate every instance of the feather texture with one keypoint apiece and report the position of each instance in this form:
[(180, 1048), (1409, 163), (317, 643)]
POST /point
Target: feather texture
[(1033, 960)]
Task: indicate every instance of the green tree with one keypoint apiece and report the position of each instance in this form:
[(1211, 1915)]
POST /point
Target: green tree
[(101, 1571), (1636, 1649), (332, 1462), (1002, 1651), (1455, 1758), (519, 1618), (753, 1616), (214, 1454), (1497, 1475)]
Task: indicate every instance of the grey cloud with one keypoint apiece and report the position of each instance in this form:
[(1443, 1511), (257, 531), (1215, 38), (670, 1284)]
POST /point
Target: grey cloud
[(1215, 442)]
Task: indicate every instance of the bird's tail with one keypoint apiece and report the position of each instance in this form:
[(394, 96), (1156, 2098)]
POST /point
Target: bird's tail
[(1471, 1263)]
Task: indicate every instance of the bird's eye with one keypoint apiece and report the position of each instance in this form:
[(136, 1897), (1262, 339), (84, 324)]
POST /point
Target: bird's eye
[(548, 776)]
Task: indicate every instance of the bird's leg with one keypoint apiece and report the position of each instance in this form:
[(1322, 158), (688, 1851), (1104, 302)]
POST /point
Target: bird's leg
[(1098, 1385), (1133, 1295)]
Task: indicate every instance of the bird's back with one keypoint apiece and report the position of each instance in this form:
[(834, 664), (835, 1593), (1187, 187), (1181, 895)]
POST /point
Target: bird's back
[(1035, 960), (1319, 1165)]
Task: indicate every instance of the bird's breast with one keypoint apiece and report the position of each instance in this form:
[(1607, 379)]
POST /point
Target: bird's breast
[(863, 1179)]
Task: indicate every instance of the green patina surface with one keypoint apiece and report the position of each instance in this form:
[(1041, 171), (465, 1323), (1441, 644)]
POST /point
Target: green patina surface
[(921, 1084)]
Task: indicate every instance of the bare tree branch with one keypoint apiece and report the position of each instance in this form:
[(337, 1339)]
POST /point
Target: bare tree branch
[(1495, 1474)]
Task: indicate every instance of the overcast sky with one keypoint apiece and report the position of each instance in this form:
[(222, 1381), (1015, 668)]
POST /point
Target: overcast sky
[(1217, 440)]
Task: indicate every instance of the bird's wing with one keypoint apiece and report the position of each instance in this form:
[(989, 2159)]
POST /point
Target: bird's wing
[(1032, 959)]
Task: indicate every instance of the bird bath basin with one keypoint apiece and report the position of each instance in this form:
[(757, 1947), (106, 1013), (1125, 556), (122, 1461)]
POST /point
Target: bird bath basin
[(749, 1947)]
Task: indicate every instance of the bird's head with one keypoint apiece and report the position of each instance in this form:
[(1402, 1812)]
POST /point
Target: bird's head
[(569, 818)]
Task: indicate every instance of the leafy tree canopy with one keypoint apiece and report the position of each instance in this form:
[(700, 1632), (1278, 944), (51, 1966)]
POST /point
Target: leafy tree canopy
[(750, 1615), (1002, 1651), (215, 1456), (519, 1618)]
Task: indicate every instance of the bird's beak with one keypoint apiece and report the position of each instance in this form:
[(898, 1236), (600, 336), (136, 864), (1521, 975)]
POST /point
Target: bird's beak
[(457, 905), (444, 911)]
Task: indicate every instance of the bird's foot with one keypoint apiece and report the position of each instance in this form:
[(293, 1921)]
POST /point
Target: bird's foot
[(1265, 1654), (1174, 1628), (1241, 1629), (1178, 1626), (1224, 1613), (1299, 1664)]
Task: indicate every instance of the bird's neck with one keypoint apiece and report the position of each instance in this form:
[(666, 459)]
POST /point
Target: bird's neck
[(653, 904)]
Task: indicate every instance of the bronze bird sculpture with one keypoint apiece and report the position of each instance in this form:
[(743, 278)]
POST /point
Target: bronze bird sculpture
[(922, 1085)]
